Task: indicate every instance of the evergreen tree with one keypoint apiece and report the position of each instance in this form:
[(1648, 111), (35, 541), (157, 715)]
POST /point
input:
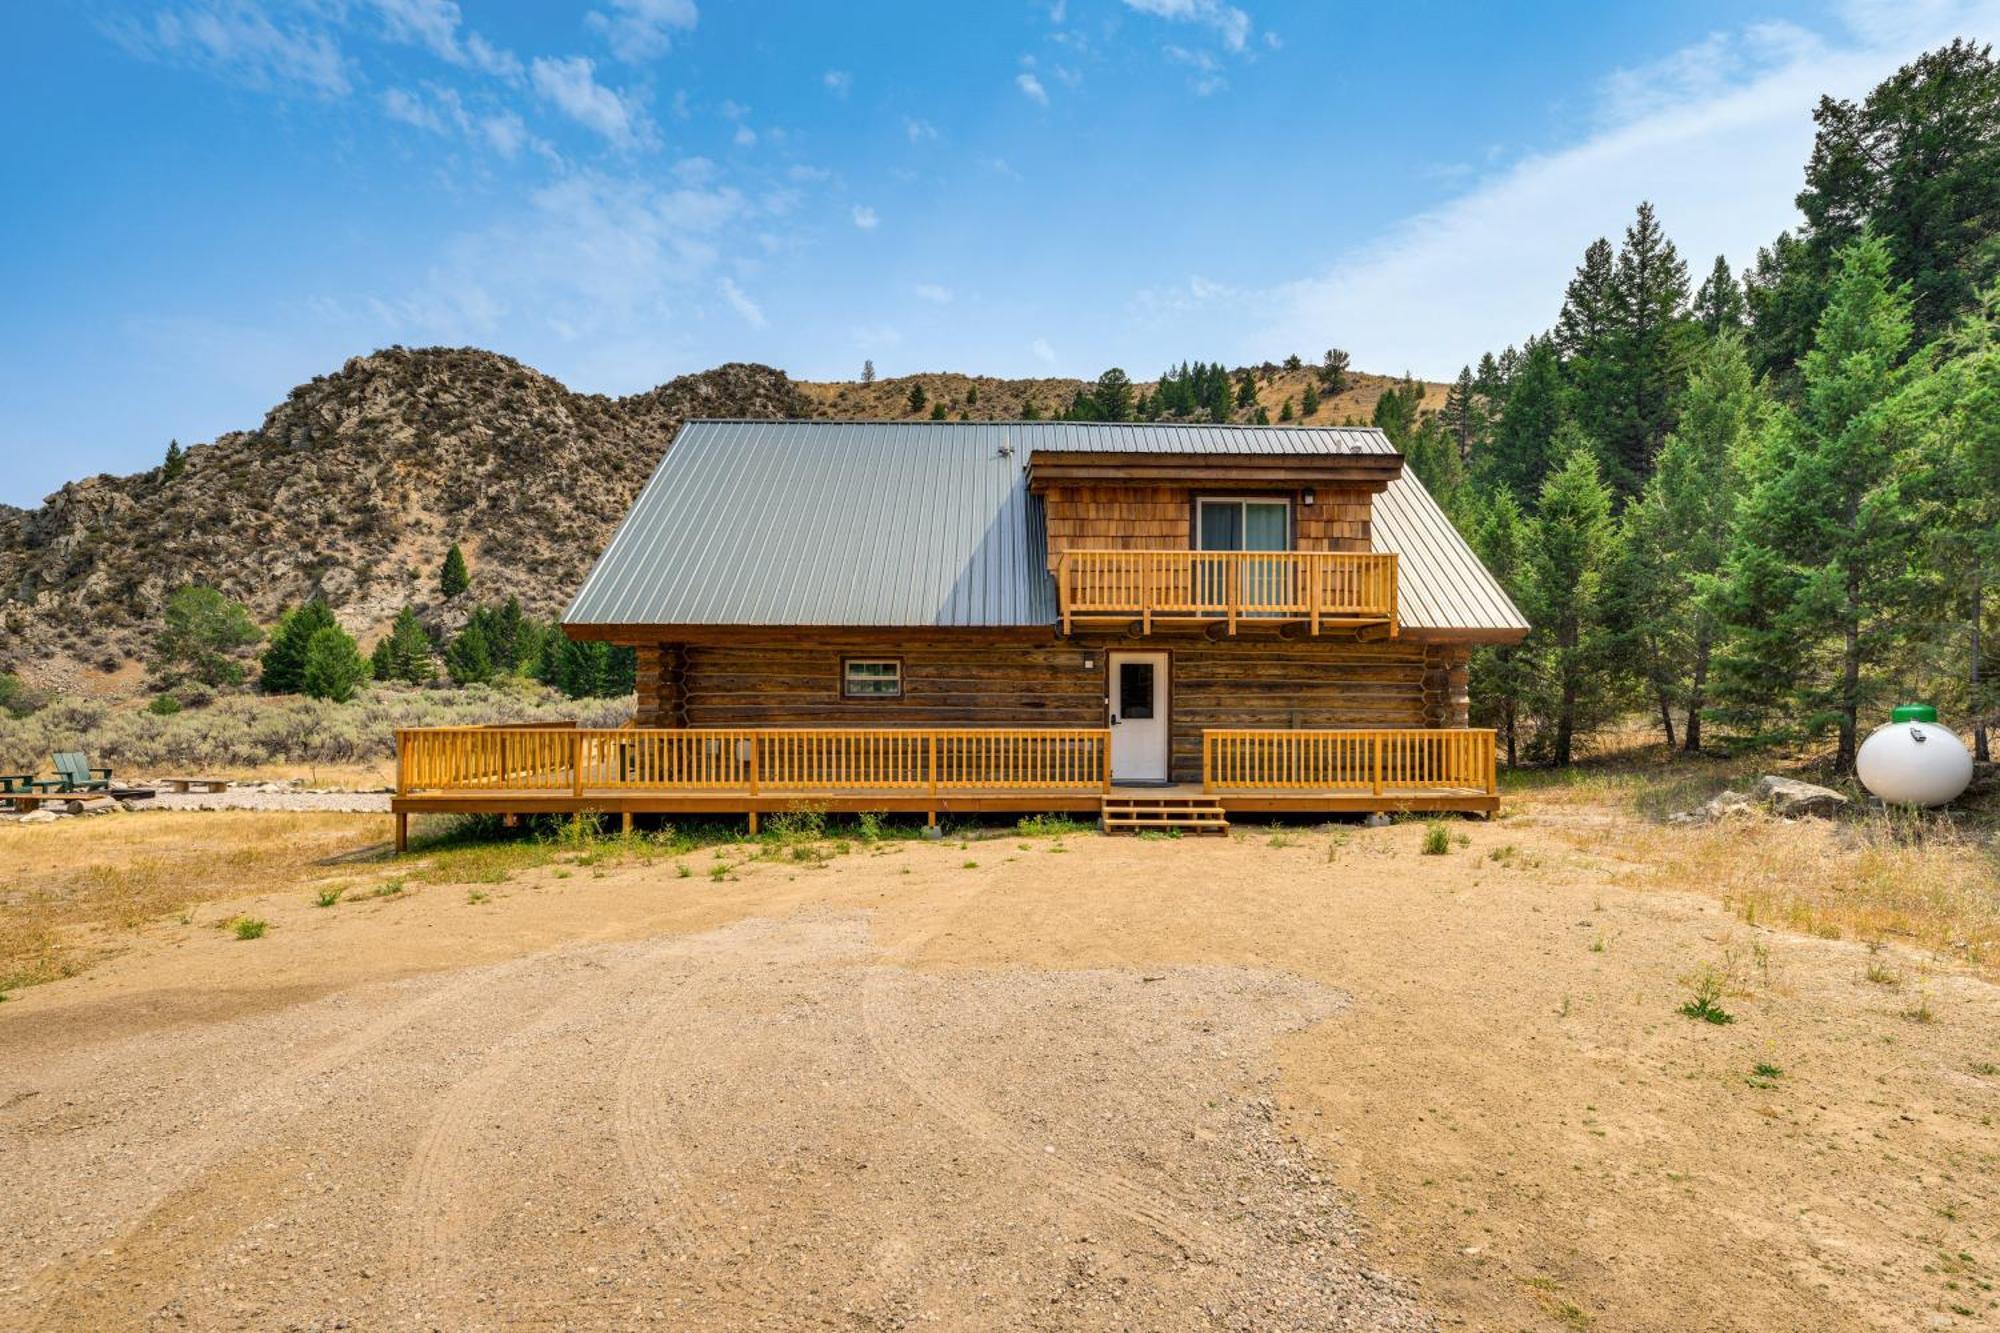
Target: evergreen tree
[(1246, 388), (382, 660), (1031, 412), (1262, 416), (1589, 304), (1332, 370), (176, 461), (1432, 455), (284, 661), (333, 666), (1525, 433), (1294, 362), (937, 411), (1651, 303), (1821, 584), (1461, 412), (1308, 401), (1572, 547), (917, 398), (409, 656), (1501, 672), (972, 395), (453, 577), (1718, 305), (1396, 410), (868, 371), (1285, 410), (1677, 534), (469, 659), (1112, 400), (201, 634)]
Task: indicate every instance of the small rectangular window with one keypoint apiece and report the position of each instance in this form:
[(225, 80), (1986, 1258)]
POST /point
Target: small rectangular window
[(871, 677)]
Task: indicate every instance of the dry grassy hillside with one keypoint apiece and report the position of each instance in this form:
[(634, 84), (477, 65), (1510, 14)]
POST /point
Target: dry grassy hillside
[(985, 398)]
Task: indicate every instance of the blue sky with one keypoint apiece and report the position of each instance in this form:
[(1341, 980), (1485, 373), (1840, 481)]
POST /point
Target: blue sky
[(209, 201)]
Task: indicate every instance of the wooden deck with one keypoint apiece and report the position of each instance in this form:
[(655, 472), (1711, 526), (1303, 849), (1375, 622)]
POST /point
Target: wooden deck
[(753, 772), (1224, 590)]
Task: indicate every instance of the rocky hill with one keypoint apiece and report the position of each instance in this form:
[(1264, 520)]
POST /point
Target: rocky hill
[(356, 484)]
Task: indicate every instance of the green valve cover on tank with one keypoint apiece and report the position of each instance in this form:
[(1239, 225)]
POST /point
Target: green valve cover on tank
[(1913, 713)]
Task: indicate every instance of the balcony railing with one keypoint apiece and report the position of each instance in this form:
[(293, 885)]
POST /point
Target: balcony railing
[(1323, 589), (1380, 763), (577, 762)]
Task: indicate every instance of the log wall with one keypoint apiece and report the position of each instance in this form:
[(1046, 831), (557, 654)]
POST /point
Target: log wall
[(792, 679)]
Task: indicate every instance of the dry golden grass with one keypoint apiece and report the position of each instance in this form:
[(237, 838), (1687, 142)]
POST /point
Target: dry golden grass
[(65, 899)]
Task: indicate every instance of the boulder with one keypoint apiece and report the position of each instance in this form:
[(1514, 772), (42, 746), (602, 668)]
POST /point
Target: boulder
[(40, 817), (1724, 804), (1791, 799)]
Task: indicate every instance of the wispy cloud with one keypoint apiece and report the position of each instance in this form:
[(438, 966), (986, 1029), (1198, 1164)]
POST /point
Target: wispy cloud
[(918, 131), (237, 41), (752, 313), (437, 26), (640, 30), (864, 217), (838, 82), (1207, 77), (1718, 155), (1031, 88), (1231, 24), (570, 85), (933, 292), (1042, 352)]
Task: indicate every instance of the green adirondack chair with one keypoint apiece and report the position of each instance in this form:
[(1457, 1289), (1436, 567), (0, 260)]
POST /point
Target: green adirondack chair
[(74, 773)]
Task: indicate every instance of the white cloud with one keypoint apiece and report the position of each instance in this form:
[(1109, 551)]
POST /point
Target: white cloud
[(1207, 77), (638, 30), (869, 337), (745, 137), (1231, 24), (919, 131), (805, 174), (412, 110), (571, 85), (237, 41), (434, 24), (752, 314), (504, 131), (1042, 352), (934, 293), (1031, 88), (1719, 158), (838, 82), (864, 217)]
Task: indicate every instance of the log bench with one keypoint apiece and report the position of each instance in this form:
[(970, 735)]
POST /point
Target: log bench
[(182, 786)]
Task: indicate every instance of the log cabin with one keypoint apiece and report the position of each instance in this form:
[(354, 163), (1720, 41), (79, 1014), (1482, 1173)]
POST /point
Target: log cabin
[(1157, 624)]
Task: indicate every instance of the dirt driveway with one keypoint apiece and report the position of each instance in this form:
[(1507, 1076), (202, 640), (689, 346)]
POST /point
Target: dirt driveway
[(1290, 1082)]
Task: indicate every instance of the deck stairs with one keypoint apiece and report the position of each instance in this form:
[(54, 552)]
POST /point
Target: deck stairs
[(1164, 809)]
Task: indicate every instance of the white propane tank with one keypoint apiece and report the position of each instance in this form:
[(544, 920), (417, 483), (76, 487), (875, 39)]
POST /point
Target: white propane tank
[(1913, 760)]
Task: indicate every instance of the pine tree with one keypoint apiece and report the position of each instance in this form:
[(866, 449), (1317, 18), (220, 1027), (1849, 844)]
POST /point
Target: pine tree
[(1332, 370), (333, 666), (1432, 455), (1285, 410), (453, 577), (1501, 536), (1651, 297), (1112, 400), (1461, 413), (176, 461), (1529, 420), (469, 659), (972, 395), (1589, 304), (1718, 305), (1261, 417), (382, 660), (917, 398), (1246, 388), (1308, 401), (1677, 535), (1572, 547), (1821, 584), (1031, 412), (937, 411), (409, 656), (284, 661), (1396, 410), (201, 634), (868, 371)]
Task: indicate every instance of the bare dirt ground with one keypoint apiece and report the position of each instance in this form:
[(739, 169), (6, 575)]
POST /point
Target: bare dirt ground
[(1288, 1080)]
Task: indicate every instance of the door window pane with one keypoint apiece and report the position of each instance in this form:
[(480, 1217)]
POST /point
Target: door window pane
[(1221, 526), (1265, 526), (1245, 525), (1135, 691)]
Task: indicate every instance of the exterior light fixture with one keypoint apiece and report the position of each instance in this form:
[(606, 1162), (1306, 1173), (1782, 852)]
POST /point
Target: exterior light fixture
[(1090, 661), (1311, 497)]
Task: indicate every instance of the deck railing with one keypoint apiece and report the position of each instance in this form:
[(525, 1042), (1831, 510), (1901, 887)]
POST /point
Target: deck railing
[(750, 761), (1339, 588), (1378, 762)]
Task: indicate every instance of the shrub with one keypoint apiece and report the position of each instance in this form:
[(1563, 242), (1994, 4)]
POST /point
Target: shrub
[(1437, 838), (17, 699), (164, 705), (249, 927), (201, 633)]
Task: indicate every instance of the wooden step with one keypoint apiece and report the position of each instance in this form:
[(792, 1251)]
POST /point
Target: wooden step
[(1133, 813)]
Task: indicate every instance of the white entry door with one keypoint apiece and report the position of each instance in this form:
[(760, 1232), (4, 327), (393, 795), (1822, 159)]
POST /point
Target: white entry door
[(1138, 717)]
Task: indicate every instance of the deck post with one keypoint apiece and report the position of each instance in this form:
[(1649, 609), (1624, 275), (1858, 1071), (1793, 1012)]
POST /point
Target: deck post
[(402, 833), (576, 764), (1063, 593), (1234, 581), (756, 745), (753, 821), (625, 822), (1145, 593), (1375, 750), (1315, 569)]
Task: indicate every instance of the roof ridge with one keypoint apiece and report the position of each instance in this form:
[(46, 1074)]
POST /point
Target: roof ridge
[(1017, 421)]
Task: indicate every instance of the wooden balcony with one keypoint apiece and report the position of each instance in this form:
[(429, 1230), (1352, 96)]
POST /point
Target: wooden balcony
[(1320, 590), (528, 770)]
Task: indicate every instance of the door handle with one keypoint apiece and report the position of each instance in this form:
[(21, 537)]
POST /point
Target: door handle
[(1114, 719)]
